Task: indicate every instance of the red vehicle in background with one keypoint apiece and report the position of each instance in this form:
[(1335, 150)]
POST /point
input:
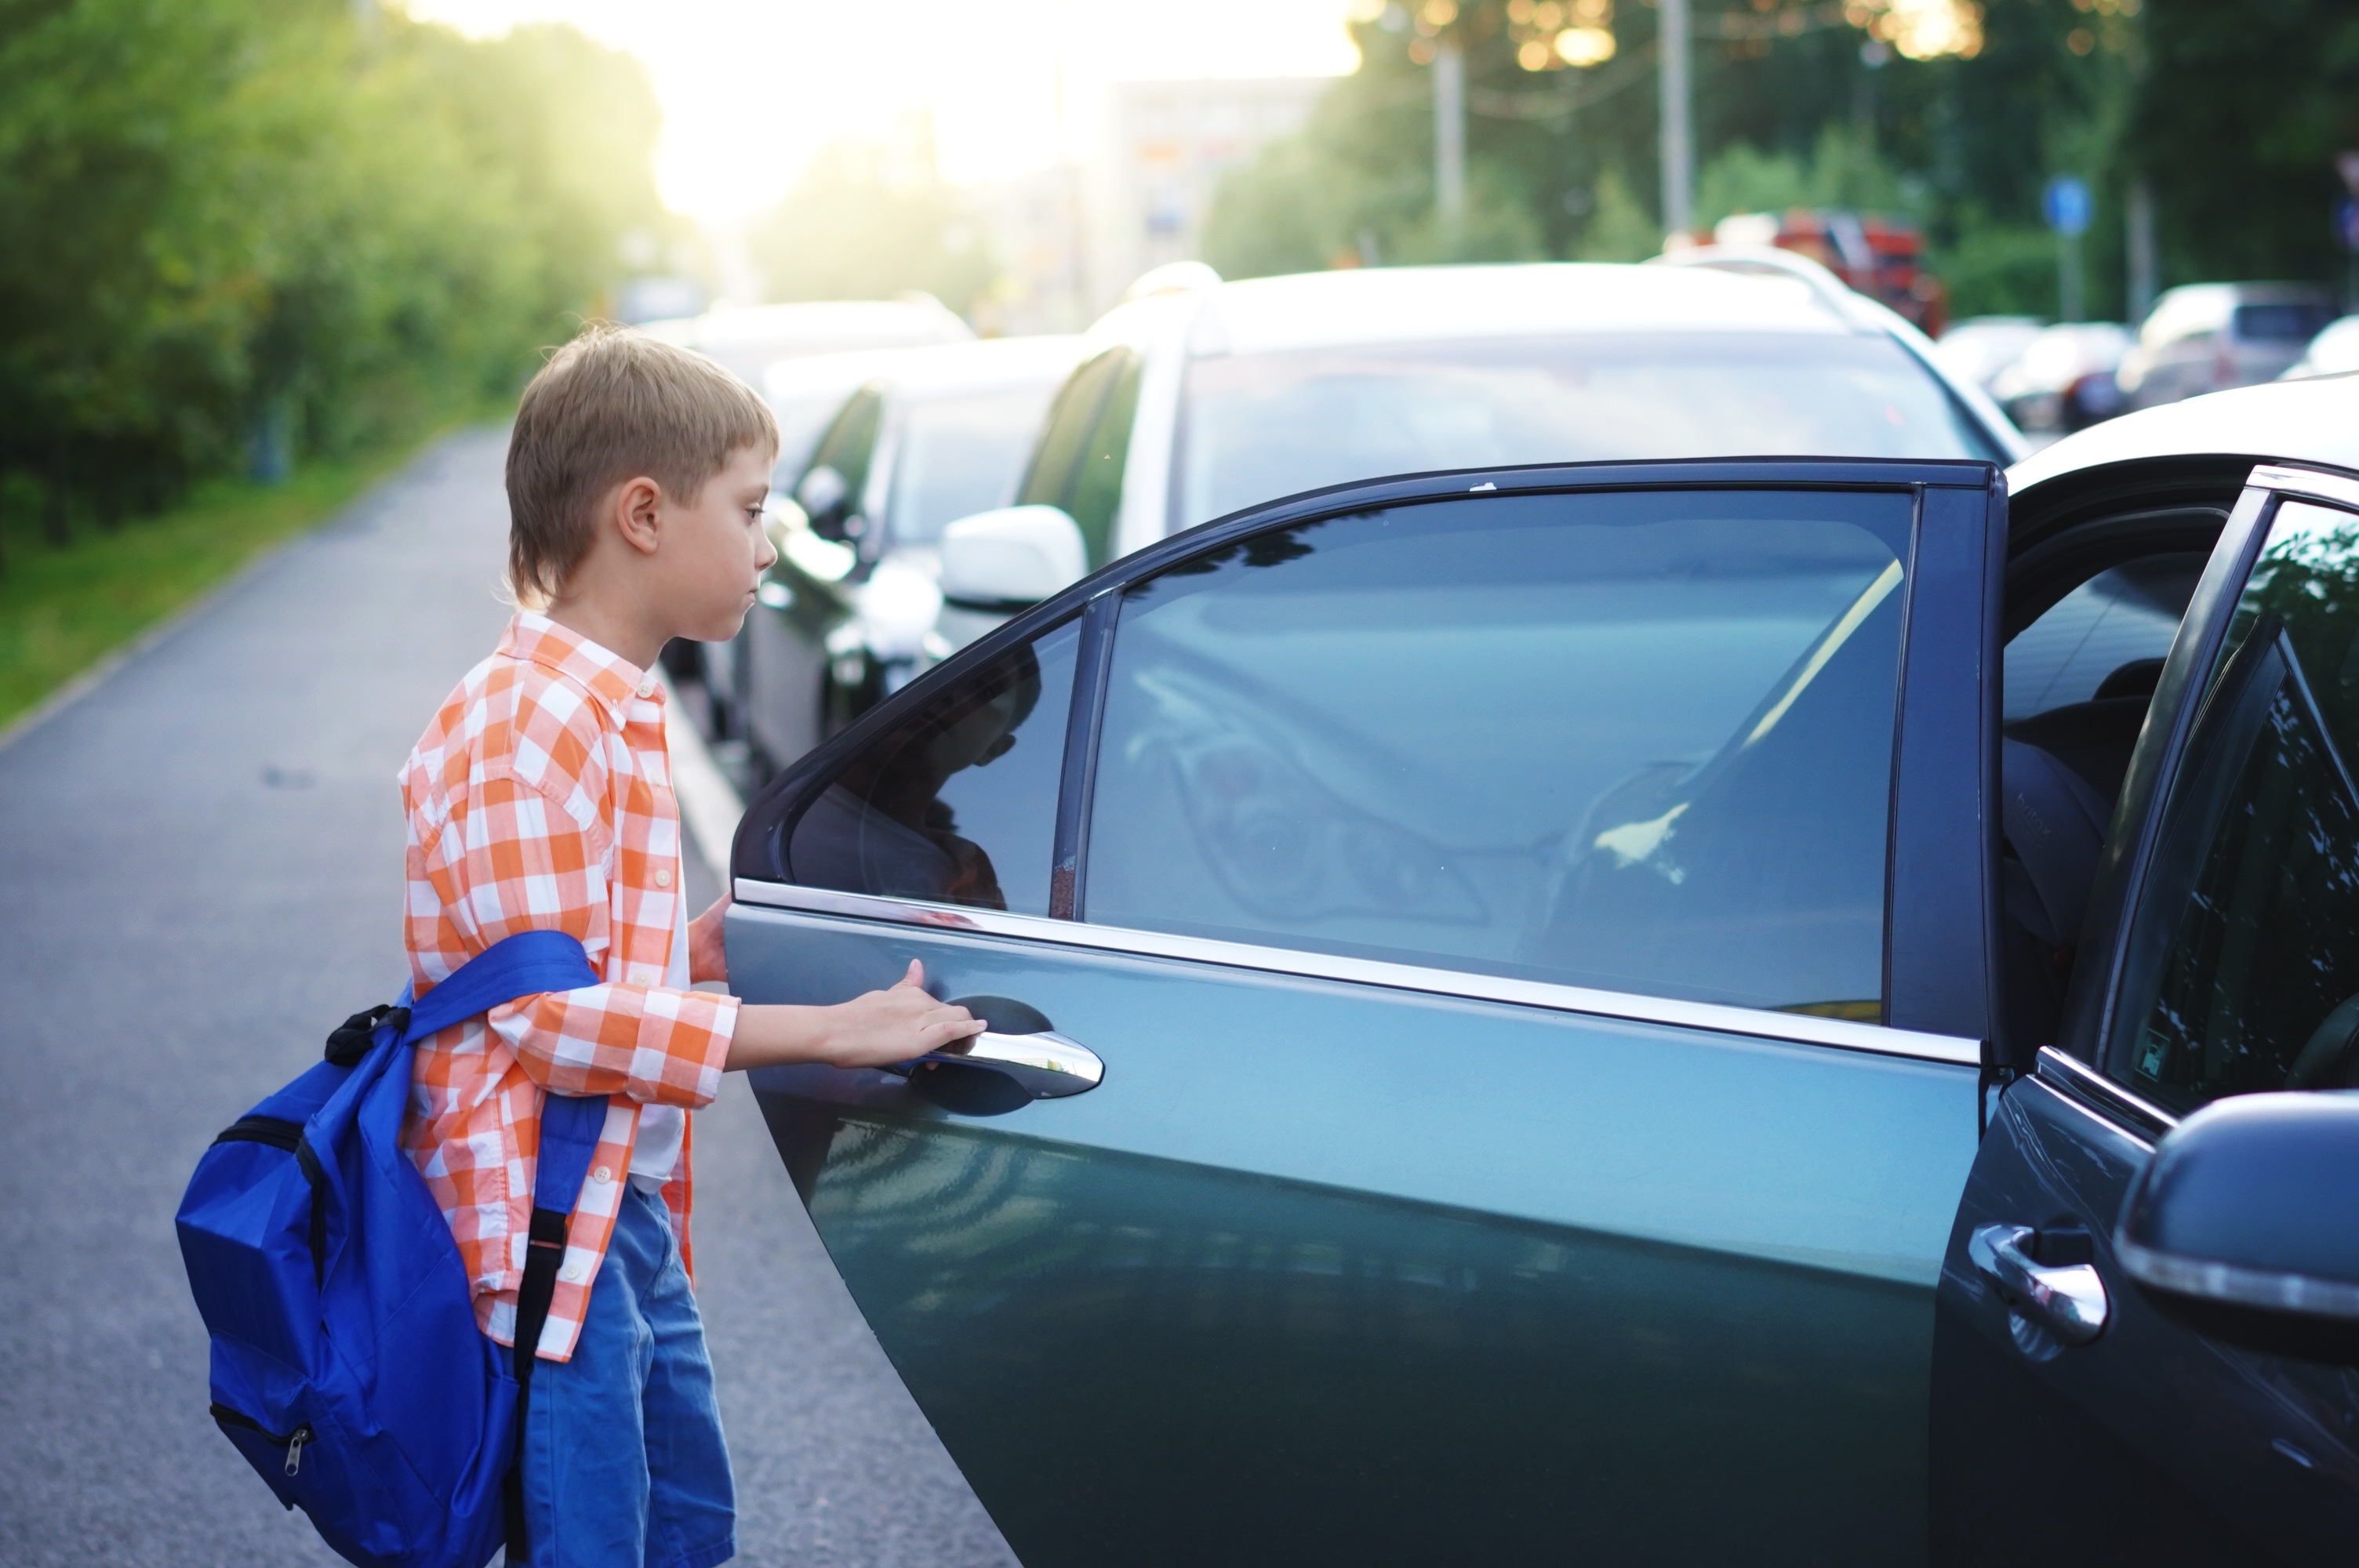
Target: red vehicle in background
[(1883, 258)]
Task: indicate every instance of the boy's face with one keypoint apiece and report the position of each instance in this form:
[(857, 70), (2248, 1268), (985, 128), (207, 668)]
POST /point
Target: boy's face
[(714, 551)]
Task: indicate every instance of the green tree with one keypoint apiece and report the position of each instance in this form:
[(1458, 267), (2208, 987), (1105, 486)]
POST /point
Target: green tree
[(236, 231)]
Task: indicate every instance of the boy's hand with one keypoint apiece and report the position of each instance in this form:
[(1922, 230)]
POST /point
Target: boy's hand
[(871, 1031), (708, 949), (896, 1025)]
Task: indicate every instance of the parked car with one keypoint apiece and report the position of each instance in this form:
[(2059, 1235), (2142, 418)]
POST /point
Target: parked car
[(1539, 1012), (1979, 348), (842, 617), (750, 338), (2064, 379), (1881, 258), (805, 394), (2208, 337), (2335, 351), (1196, 402)]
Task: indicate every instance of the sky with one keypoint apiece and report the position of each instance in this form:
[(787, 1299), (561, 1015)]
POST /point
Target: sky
[(751, 89)]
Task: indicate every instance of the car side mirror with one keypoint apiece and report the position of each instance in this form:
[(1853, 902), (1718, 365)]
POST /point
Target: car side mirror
[(823, 495), (2245, 1225), (1012, 557)]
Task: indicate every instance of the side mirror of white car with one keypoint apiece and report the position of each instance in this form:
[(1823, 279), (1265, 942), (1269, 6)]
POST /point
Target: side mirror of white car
[(1011, 558)]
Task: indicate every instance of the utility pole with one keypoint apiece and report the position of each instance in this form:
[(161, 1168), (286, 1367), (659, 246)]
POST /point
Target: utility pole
[(1450, 142), (1679, 130), (2144, 279)]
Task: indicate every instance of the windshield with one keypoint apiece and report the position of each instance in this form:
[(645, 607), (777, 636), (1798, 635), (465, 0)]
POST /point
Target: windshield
[(962, 455), (1260, 426)]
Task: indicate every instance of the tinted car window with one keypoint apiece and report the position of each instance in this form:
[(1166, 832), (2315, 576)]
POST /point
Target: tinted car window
[(1638, 740), (958, 456), (1082, 452), (957, 802), (2103, 631), (2244, 970), (2281, 323), (1258, 427)]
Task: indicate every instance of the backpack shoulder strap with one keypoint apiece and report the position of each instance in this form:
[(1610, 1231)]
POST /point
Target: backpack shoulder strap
[(523, 965)]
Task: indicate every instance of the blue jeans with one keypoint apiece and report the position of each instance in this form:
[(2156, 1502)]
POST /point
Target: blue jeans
[(623, 1462)]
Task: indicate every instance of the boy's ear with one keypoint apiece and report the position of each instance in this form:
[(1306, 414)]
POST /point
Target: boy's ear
[(636, 512)]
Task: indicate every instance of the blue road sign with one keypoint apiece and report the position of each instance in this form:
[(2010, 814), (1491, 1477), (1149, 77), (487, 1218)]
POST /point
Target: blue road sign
[(2067, 204)]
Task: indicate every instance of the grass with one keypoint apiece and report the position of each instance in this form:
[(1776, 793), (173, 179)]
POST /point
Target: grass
[(62, 610)]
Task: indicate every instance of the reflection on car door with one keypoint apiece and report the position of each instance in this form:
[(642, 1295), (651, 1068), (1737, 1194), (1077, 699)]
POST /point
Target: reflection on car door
[(2092, 1424), (1541, 1057)]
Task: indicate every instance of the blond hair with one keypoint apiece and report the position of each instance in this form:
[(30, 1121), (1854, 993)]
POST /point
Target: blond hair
[(611, 406)]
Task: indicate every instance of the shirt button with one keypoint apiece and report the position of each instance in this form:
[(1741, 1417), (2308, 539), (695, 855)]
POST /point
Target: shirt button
[(570, 1273), (602, 1173), (646, 688), (663, 879)]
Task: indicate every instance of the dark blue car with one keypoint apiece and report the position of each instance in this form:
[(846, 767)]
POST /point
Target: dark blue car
[(1779, 1011)]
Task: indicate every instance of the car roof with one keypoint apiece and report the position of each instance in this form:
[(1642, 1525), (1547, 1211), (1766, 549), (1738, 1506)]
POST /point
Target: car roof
[(934, 370), (815, 326), (2313, 421), (1407, 304)]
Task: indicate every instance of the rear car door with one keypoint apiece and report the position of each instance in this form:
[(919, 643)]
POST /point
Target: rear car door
[(1530, 926), (2088, 1404)]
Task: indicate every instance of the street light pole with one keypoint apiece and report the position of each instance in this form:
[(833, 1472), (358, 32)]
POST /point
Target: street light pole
[(1678, 131), (1450, 141)]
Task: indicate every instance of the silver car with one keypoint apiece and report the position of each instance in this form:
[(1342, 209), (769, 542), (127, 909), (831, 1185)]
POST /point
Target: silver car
[(2208, 337)]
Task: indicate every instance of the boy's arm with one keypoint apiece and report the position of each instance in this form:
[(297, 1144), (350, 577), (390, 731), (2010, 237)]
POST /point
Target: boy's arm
[(875, 1030)]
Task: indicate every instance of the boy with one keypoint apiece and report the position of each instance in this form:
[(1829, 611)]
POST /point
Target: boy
[(539, 798)]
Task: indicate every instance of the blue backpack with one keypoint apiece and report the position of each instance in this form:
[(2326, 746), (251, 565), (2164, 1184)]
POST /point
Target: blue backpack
[(346, 1364)]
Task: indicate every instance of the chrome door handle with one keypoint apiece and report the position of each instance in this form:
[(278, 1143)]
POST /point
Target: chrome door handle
[(1043, 1061), (2066, 1299)]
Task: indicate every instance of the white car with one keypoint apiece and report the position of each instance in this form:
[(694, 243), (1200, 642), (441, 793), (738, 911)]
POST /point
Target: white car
[(1196, 402), (2335, 351)]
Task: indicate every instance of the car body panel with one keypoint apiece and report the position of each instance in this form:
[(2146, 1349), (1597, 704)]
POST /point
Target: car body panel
[(1481, 1249)]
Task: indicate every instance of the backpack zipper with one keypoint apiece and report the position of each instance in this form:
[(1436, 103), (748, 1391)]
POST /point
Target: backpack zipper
[(279, 1133), (268, 1129), (295, 1439)]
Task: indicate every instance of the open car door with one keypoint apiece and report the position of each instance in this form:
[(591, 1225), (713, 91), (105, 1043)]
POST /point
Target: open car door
[(1487, 991), (2148, 1311)]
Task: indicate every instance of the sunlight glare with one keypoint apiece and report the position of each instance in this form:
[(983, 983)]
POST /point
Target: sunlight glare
[(752, 89)]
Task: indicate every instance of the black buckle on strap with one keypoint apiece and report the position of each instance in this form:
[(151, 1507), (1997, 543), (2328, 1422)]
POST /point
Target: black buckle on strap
[(548, 1228), (351, 1039)]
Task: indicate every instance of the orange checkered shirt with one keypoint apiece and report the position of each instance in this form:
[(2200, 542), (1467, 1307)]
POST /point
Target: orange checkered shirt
[(539, 798)]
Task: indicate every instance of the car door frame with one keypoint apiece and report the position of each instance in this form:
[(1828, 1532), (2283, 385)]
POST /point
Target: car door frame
[(1942, 909)]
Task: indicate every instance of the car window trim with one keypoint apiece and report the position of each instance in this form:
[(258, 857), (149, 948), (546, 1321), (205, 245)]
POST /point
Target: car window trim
[(1077, 781), (2094, 997), (1789, 1028)]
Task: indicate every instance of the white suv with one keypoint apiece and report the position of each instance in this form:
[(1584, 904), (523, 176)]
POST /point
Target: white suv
[(1195, 402)]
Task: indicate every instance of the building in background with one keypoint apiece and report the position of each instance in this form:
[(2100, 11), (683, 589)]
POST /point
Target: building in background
[(1069, 239), (1165, 147)]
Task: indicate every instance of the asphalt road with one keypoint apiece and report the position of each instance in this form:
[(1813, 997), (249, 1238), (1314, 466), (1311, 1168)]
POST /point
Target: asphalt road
[(200, 875)]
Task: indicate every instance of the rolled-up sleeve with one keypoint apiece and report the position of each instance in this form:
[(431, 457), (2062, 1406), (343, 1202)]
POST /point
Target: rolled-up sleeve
[(526, 855)]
